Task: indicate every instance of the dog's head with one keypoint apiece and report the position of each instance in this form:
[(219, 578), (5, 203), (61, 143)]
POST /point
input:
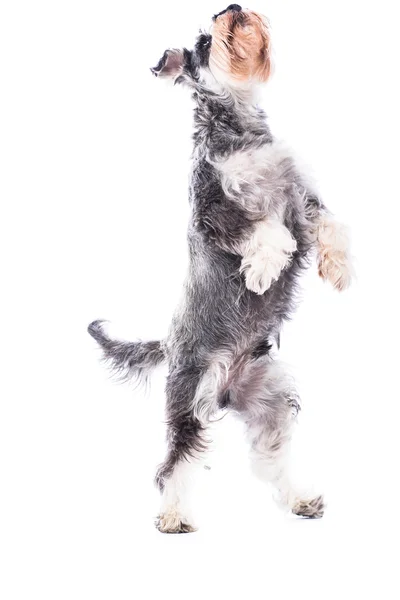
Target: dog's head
[(236, 53)]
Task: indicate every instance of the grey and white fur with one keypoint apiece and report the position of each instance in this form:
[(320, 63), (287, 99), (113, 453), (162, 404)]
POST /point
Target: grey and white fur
[(256, 221)]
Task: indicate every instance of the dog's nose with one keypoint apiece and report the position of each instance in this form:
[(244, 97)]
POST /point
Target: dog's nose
[(233, 7)]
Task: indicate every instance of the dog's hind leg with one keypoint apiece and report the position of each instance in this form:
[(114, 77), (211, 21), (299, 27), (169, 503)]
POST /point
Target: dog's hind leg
[(266, 401), (186, 445)]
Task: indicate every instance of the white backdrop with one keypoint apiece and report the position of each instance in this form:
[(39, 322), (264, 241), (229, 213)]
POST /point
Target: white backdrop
[(94, 163)]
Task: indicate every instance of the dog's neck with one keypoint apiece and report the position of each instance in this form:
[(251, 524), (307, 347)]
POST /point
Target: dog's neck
[(228, 120)]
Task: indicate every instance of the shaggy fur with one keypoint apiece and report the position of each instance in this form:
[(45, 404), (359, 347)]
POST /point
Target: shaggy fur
[(255, 221)]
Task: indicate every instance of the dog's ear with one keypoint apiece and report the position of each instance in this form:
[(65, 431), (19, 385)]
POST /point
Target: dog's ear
[(170, 65)]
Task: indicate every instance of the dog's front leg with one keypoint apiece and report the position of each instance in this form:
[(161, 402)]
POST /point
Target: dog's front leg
[(265, 254), (263, 242), (332, 243), (333, 247)]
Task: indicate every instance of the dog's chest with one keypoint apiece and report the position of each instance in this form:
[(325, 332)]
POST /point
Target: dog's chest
[(268, 168), (255, 177)]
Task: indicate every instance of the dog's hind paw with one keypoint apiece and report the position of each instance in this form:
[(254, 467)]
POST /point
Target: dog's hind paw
[(312, 508), (173, 522)]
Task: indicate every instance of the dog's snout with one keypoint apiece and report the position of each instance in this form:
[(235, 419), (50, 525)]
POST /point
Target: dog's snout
[(232, 7)]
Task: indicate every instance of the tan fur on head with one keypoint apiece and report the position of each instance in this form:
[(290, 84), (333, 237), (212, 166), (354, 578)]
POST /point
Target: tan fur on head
[(241, 47)]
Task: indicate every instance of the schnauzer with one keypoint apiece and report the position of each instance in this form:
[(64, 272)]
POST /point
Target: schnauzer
[(256, 220)]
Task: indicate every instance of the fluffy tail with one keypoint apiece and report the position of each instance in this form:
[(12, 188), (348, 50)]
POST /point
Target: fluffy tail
[(128, 360)]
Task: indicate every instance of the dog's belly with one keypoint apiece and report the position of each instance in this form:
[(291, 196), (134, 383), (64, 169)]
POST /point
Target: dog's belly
[(218, 312)]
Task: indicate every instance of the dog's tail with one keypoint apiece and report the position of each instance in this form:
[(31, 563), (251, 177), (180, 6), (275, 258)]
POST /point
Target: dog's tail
[(128, 360)]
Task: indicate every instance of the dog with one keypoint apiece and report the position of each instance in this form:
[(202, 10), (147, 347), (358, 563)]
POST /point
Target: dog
[(256, 222)]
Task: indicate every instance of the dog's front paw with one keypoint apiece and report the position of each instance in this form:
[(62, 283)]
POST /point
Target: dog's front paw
[(172, 522), (312, 508), (335, 266), (334, 262), (264, 266)]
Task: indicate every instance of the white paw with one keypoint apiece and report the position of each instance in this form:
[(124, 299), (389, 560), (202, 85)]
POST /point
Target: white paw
[(171, 521), (263, 267), (334, 262), (312, 508), (335, 266)]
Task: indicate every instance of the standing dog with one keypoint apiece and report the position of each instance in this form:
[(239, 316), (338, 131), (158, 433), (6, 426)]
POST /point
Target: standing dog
[(255, 221)]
